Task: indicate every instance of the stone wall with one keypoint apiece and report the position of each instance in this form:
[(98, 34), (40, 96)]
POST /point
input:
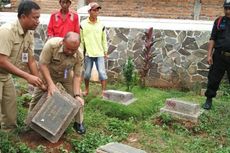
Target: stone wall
[(180, 55)]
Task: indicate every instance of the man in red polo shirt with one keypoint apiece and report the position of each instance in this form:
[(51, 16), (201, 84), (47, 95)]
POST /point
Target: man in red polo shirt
[(63, 21)]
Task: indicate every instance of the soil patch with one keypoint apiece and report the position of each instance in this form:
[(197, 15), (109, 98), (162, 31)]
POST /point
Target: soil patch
[(190, 126), (33, 139)]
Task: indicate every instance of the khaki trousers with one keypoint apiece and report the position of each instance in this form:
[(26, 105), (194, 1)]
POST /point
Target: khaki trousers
[(68, 87), (8, 105)]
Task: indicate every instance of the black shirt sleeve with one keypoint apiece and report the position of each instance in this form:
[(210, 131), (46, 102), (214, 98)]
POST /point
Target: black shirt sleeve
[(214, 30)]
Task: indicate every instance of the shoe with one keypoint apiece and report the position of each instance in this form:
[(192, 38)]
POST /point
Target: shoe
[(79, 128), (208, 104)]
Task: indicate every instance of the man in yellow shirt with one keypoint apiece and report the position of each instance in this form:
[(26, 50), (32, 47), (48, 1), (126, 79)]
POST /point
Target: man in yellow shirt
[(17, 44), (94, 43)]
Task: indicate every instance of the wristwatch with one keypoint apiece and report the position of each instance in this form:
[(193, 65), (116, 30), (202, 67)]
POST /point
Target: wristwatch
[(77, 95)]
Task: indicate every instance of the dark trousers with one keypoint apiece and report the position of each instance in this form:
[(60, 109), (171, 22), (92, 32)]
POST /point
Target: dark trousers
[(221, 63)]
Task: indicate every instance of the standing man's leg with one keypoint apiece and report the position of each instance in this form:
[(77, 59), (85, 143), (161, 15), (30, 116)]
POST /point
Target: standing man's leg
[(8, 106), (215, 75), (78, 123), (87, 75), (228, 68), (100, 64)]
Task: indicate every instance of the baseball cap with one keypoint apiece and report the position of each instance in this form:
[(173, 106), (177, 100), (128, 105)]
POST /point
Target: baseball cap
[(93, 5)]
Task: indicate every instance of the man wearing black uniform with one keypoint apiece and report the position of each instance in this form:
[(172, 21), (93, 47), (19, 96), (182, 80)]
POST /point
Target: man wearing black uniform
[(220, 58)]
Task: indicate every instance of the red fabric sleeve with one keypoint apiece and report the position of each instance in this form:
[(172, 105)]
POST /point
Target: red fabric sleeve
[(50, 30), (77, 27)]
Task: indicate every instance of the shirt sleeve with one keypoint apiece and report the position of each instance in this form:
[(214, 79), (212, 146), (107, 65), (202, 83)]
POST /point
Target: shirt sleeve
[(5, 42), (31, 44), (50, 31), (104, 40), (77, 26), (46, 54), (79, 64), (214, 31), (82, 44)]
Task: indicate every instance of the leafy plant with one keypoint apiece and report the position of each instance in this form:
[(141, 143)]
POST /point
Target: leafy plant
[(128, 72), (119, 128), (197, 88), (225, 87), (23, 148), (147, 56), (196, 145), (21, 101), (5, 144), (90, 142), (62, 149), (166, 118)]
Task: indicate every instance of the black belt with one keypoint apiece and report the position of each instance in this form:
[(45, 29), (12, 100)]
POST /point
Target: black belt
[(225, 53)]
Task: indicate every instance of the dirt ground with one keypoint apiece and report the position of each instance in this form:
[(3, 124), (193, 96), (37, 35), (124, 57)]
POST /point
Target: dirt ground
[(33, 139)]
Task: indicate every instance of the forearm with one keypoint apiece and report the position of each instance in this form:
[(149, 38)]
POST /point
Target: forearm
[(76, 85), (210, 47), (33, 67), (46, 73), (104, 43), (9, 67)]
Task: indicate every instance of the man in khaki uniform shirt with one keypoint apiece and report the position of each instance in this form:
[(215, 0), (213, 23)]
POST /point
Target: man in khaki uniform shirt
[(17, 46), (59, 58)]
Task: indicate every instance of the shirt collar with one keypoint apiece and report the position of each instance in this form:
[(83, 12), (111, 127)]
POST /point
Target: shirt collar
[(91, 22), (60, 15), (61, 51), (19, 27)]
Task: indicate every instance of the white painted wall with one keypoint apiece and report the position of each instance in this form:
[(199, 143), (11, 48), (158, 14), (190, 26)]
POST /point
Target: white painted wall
[(127, 22)]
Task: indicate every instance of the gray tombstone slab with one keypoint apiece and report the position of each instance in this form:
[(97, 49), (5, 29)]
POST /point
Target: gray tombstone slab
[(118, 148), (122, 97), (51, 116), (182, 109)]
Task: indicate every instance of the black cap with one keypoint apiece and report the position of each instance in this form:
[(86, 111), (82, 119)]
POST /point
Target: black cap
[(227, 3)]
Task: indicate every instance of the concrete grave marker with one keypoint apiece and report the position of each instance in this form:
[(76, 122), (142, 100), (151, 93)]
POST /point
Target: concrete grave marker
[(122, 97), (182, 109), (54, 111), (118, 148), (51, 116)]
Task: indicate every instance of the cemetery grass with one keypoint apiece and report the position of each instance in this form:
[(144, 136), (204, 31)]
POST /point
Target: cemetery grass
[(140, 125)]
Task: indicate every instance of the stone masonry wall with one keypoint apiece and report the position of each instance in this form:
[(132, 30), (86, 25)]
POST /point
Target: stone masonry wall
[(180, 56), (173, 9), (180, 59)]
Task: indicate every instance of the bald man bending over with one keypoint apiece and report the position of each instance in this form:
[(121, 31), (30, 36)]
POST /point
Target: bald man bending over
[(60, 57)]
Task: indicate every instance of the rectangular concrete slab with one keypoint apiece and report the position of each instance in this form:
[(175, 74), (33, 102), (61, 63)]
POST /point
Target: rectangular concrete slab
[(55, 110), (51, 116), (118, 148), (122, 97), (182, 106), (182, 109)]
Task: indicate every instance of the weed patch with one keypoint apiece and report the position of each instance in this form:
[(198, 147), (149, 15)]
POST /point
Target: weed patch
[(90, 142)]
